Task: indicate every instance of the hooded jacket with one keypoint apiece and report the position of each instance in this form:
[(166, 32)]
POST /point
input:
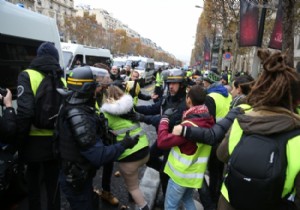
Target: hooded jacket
[(265, 121), (37, 148)]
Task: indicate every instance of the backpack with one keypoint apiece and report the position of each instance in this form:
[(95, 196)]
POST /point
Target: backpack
[(256, 171), (48, 101)]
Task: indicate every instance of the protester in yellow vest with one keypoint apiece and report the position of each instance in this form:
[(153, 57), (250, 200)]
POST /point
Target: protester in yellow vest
[(274, 98), (116, 104), (187, 161), (36, 144)]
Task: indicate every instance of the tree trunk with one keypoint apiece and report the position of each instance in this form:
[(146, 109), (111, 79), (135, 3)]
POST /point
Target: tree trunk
[(288, 29)]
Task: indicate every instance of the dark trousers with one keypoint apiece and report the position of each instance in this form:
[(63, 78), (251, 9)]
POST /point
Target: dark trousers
[(43, 172), (158, 164), (106, 176), (79, 200), (209, 195)]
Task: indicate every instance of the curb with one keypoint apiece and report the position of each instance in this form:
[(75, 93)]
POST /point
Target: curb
[(149, 186)]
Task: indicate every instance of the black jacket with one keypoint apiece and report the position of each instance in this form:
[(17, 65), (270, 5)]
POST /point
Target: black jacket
[(33, 148)]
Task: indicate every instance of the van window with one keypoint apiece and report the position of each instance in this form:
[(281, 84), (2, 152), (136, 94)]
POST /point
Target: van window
[(78, 59), (91, 60), (15, 56), (67, 58)]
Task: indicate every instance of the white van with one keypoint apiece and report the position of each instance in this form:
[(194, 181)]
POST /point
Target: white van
[(145, 67), (21, 33), (74, 53)]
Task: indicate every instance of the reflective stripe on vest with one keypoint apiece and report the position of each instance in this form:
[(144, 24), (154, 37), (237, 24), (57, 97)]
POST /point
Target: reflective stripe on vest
[(222, 105), (35, 80), (293, 166), (188, 170), (120, 126)]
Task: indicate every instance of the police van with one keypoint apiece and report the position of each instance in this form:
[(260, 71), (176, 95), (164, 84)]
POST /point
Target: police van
[(21, 33), (77, 54), (145, 67)]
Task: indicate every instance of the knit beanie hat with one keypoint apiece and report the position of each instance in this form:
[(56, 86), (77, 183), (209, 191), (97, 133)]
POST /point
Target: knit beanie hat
[(48, 48)]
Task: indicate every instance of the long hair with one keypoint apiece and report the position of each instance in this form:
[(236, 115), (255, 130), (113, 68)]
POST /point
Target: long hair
[(278, 83)]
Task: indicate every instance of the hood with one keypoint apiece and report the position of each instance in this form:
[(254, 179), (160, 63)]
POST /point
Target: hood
[(268, 120), (217, 88), (46, 64), (118, 107)]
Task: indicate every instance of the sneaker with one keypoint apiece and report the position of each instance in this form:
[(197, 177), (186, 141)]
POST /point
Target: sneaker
[(109, 197)]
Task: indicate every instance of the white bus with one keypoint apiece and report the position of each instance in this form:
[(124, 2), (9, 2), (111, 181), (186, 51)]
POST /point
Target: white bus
[(75, 54), (21, 33)]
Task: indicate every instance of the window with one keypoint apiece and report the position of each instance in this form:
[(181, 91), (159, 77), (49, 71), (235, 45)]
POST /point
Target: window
[(298, 43), (15, 56)]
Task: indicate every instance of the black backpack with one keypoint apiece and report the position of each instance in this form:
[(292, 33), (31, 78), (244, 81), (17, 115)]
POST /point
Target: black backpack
[(48, 101), (256, 172)]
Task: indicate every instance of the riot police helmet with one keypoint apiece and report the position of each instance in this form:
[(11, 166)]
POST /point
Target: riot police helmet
[(82, 80), (176, 75)]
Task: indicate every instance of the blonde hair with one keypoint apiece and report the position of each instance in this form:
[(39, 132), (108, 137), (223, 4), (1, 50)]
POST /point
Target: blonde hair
[(113, 93)]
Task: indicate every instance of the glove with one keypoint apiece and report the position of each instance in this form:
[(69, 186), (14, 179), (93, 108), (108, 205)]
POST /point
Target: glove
[(134, 117), (169, 112), (128, 141)]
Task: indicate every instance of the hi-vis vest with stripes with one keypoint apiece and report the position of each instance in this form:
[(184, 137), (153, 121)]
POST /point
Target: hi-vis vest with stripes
[(158, 79), (35, 80), (292, 152), (188, 170), (120, 126), (222, 105)]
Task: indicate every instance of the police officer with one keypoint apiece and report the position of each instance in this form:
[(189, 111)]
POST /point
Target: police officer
[(151, 114), (81, 148)]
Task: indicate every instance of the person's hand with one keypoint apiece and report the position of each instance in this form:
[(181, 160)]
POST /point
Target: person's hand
[(169, 112), (177, 130), (154, 96), (133, 116), (128, 142), (7, 100)]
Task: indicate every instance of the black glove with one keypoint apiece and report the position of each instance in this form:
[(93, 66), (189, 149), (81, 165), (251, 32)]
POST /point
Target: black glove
[(134, 117), (169, 112), (128, 141)]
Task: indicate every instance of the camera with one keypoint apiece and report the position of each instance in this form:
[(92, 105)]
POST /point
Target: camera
[(3, 92)]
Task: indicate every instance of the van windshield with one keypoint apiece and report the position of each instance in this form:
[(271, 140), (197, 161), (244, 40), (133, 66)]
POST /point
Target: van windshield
[(141, 65), (67, 59)]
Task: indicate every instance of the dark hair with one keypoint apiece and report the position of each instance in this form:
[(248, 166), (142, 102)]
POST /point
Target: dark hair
[(197, 95), (278, 83), (101, 65), (245, 82)]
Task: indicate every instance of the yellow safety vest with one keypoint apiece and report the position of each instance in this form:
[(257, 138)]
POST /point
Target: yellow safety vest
[(188, 170), (120, 126), (222, 105), (292, 149), (158, 80), (35, 80)]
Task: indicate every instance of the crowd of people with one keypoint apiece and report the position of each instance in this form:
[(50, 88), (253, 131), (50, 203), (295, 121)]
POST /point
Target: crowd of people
[(235, 139)]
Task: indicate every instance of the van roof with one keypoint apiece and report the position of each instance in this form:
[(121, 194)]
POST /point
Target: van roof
[(137, 58), (21, 22), (87, 50)]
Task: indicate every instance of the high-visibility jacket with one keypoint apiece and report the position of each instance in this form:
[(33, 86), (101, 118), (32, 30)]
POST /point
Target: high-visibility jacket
[(222, 105), (35, 80), (293, 166), (120, 126), (158, 79), (188, 170)]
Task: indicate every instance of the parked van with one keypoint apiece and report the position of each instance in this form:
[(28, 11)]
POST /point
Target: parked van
[(21, 33), (77, 54), (145, 67)]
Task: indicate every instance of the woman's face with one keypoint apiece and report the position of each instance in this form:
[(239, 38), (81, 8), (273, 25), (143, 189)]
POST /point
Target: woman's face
[(235, 91)]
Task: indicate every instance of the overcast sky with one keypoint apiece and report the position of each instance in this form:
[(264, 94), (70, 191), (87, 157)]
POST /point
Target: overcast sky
[(171, 24)]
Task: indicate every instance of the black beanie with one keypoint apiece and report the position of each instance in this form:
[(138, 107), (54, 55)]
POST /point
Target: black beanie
[(48, 48)]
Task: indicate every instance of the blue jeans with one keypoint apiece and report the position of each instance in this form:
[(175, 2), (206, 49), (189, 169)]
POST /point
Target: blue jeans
[(175, 194)]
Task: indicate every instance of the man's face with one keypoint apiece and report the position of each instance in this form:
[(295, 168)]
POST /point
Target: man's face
[(174, 88), (134, 76), (206, 84), (114, 70)]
